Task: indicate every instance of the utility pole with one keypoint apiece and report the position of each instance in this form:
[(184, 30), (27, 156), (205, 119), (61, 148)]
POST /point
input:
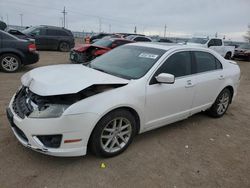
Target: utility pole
[(64, 16), (165, 30), (109, 28), (21, 16), (135, 31), (7, 16), (100, 25)]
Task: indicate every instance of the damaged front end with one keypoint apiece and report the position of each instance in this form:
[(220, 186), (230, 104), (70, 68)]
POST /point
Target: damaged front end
[(87, 54), (28, 104)]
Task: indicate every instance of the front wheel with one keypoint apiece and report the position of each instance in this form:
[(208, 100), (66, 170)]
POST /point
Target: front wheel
[(113, 133), (221, 104)]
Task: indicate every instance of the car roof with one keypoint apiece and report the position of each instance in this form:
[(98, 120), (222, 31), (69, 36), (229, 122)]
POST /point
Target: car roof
[(168, 46), (114, 39)]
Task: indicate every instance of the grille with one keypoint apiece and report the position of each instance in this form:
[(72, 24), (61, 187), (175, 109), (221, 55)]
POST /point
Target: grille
[(20, 105)]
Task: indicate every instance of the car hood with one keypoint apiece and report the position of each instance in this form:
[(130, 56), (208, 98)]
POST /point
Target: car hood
[(66, 79), (83, 47)]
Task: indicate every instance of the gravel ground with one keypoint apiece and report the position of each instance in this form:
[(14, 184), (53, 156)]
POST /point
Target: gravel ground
[(198, 152)]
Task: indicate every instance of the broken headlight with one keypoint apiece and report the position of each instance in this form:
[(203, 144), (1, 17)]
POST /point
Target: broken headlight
[(49, 111)]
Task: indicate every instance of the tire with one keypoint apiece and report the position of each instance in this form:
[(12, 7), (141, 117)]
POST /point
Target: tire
[(10, 63), (228, 55), (64, 47), (107, 134), (221, 104)]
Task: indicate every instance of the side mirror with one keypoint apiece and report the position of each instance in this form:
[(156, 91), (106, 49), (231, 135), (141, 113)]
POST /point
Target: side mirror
[(165, 78)]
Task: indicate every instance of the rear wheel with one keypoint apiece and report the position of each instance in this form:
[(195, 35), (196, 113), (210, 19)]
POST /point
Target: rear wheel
[(64, 47), (228, 55), (113, 133), (10, 63), (221, 104)]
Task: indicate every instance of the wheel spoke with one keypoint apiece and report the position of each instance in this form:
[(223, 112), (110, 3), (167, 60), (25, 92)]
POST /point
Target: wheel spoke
[(107, 143), (106, 136), (112, 144), (124, 133), (109, 129), (125, 126), (122, 138)]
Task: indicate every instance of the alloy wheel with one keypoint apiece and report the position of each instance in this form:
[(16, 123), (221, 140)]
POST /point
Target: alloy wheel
[(10, 63), (223, 103), (116, 135)]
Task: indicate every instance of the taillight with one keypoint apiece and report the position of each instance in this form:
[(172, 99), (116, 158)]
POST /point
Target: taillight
[(32, 47)]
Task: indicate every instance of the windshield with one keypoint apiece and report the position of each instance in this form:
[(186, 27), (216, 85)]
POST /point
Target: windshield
[(245, 46), (198, 40), (129, 62), (103, 43), (29, 30)]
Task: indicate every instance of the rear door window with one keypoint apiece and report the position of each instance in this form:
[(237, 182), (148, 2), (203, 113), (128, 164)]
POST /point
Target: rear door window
[(217, 42), (52, 32), (62, 33)]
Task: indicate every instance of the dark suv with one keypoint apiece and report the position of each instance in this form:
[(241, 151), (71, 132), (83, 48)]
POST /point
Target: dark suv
[(15, 52), (51, 38)]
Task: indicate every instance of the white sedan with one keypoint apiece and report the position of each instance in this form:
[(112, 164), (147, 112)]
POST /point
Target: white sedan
[(63, 110)]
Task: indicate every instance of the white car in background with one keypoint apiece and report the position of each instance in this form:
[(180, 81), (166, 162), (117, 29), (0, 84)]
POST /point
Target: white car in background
[(62, 110), (215, 44)]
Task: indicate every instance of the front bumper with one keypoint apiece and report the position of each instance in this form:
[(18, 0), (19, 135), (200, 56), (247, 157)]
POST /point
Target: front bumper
[(71, 127), (78, 57)]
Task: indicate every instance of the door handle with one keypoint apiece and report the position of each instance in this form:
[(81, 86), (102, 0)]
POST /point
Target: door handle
[(189, 84), (221, 77)]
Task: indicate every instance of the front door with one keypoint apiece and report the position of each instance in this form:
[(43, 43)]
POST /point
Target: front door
[(167, 103)]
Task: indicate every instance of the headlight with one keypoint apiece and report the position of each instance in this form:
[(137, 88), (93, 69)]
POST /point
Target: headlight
[(49, 111)]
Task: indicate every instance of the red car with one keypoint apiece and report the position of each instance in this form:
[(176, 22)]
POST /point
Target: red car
[(87, 52)]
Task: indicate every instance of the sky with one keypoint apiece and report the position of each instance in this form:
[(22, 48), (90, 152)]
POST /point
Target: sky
[(183, 18)]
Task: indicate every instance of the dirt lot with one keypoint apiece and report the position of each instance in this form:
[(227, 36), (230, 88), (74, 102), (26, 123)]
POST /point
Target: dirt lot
[(198, 152)]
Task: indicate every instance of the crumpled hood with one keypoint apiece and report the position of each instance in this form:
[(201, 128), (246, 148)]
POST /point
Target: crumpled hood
[(65, 79)]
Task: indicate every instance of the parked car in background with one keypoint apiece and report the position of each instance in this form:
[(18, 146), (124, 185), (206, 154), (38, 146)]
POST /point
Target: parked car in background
[(15, 52), (87, 52), (18, 34), (243, 52), (162, 39), (139, 38), (213, 43), (94, 38), (64, 110), (51, 38)]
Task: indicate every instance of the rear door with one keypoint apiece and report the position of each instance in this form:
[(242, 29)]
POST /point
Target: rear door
[(167, 103), (52, 38), (209, 80)]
